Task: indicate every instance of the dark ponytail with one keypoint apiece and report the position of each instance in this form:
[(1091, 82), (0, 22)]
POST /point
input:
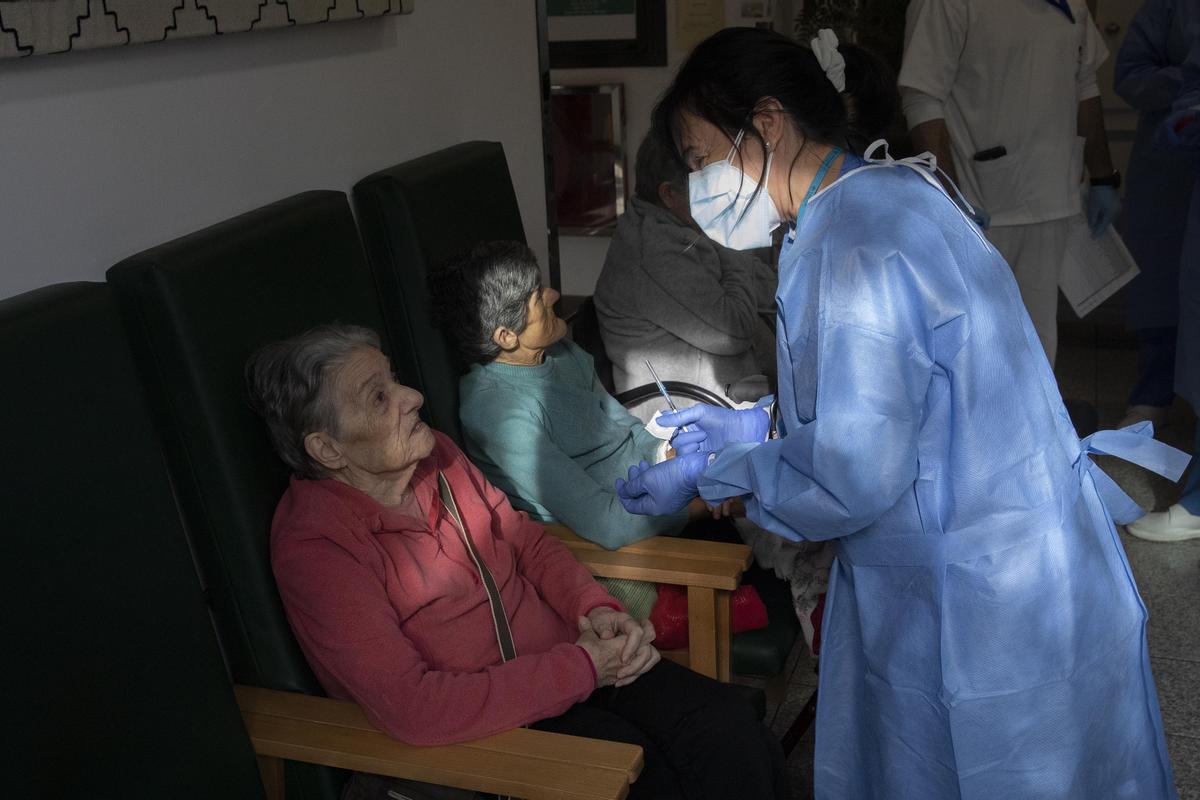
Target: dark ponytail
[(871, 97), (729, 73)]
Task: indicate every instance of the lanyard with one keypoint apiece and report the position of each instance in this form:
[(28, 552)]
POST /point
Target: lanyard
[(816, 183)]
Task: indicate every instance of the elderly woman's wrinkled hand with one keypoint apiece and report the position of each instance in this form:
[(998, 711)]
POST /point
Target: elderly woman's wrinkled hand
[(643, 661), (605, 653), (609, 623)]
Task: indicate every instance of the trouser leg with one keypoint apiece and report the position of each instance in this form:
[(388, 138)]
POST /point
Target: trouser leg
[(706, 729), (1191, 487), (658, 778), (1035, 252), (1156, 367)]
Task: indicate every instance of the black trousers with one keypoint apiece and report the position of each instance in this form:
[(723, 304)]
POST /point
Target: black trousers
[(700, 738)]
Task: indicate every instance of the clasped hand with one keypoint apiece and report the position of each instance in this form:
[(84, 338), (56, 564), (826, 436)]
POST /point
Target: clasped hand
[(621, 648)]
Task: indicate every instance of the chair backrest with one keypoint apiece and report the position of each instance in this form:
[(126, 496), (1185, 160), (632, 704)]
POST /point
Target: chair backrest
[(196, 308), (114, 684), (413, 217), (585, 332)]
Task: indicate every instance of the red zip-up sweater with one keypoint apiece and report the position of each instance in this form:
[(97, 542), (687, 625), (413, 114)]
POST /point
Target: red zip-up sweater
[(390, 611)]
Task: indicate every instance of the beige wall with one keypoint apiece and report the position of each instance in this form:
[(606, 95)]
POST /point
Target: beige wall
[(105, 153)]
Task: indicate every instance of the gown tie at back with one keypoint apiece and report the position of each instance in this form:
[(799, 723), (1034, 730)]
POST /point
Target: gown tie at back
[(1137, 445), (1134, 444)]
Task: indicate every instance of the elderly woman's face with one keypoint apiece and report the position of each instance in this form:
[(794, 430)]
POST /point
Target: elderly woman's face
[(381, 434), (542, 326)]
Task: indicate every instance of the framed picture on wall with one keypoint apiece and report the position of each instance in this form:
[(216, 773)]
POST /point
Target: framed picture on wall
[(587, 143), (607, 33)]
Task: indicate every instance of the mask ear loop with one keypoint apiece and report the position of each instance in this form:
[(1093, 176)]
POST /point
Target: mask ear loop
[(737, 140), (762, 181)]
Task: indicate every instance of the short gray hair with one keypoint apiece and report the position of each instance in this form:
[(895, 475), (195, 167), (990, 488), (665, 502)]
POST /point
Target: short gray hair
[(657, 163), (487, 287), (289, 386)]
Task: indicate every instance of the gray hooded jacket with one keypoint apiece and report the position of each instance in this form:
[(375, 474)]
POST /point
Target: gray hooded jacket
[(670, 294)]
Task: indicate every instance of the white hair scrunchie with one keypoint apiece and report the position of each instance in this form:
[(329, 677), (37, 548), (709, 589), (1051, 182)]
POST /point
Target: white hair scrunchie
[(825, 48)]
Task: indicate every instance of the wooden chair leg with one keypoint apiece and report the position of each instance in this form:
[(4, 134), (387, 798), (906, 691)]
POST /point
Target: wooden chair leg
[(709, 630), (702, 627), (270, 769), (724, 636), (801, 725)]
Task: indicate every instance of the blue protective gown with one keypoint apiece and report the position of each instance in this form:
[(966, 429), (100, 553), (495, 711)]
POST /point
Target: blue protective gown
[(984, 636), (1158, 189)]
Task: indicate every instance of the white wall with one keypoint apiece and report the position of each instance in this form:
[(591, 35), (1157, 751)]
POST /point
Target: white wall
[(108, 152)]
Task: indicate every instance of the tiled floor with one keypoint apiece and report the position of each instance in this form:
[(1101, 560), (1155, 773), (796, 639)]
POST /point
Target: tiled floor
[(1097, 363)]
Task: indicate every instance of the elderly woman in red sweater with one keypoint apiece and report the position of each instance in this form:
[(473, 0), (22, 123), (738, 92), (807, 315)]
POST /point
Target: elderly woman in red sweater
[(418, 592)]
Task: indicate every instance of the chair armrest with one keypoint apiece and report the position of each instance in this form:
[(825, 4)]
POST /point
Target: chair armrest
[(662, 559), (637, 394), (521, 762)]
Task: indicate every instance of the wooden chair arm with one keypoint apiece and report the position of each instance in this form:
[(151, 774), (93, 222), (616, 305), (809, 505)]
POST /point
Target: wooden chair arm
[(524, 763), (662, 559)]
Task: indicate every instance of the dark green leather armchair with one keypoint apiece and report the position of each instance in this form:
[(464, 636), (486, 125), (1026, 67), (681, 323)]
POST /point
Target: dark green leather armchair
[(116, 686), (414, 216), (195, 309)]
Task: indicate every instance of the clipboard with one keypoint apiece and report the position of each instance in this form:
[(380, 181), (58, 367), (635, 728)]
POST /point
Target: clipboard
[(1093, 269)]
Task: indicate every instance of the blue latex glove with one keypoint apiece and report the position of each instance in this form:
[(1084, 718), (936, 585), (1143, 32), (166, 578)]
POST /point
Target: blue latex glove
[(1103, 205), (664, 488), (713, 428)]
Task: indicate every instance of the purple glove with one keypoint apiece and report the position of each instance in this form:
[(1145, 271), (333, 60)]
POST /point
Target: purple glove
[(664, 488), (714, 428)]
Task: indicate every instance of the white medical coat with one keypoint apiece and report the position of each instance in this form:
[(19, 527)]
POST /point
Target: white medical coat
[(1005, 73)]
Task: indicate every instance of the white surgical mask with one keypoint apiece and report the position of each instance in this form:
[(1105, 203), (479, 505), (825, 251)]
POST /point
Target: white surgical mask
[(726, 206)]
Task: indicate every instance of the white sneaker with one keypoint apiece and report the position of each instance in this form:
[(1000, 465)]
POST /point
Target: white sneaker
[(1156, 414), (1173, 525)]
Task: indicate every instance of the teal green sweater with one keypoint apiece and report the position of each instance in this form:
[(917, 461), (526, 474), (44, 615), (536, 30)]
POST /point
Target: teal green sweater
[(555, 442)]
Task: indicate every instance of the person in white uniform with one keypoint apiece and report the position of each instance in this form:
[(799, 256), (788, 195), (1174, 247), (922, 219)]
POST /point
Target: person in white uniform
[(1004, 94)]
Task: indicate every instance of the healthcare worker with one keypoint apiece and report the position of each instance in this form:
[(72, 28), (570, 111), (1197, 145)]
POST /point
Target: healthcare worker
[(983, 634), (1181, 130), (1158, 192), (1004, 94)]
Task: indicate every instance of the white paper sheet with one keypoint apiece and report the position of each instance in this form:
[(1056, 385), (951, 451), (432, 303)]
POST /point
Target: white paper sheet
[(1094, 268)]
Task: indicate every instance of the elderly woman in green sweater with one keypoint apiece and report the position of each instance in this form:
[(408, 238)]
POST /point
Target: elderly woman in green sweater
[(535, 418)]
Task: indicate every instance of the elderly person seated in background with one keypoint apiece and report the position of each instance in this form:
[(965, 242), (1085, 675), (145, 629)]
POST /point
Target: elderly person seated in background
[(417, 591), (670, 294), (534, 415), (541, 427)]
